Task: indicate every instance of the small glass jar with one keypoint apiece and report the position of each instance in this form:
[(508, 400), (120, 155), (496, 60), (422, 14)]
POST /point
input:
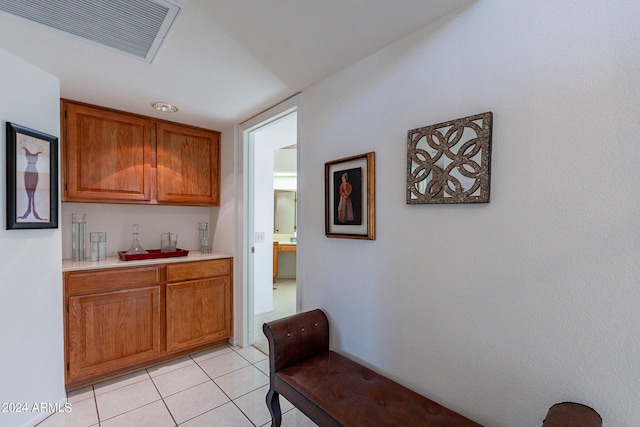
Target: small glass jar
[(98, 241), (168, 242)]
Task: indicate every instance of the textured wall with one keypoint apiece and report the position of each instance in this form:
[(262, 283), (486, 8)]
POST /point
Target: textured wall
[(32, 355), (497, 310)]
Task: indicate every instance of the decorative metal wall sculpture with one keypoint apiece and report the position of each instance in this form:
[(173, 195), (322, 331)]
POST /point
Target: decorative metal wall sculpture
[(449, 162)]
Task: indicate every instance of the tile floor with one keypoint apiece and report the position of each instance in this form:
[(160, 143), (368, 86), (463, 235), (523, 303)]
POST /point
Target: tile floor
[(223, 386), (284, 304)]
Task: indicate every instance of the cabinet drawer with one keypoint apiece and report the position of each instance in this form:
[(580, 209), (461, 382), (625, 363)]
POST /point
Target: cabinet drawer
[(198, 269), (112, 279)]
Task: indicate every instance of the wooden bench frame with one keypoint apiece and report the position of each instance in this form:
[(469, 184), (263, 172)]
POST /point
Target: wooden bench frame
[(333, 390), (300, 343)]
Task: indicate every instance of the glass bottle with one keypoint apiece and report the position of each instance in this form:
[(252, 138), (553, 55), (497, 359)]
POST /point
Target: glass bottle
[(203, 238), (136, 248), (78, 242)]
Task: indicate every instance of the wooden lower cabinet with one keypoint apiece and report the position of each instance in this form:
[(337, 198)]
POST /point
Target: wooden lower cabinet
[(112, 330), (120, 319), (197, 313)]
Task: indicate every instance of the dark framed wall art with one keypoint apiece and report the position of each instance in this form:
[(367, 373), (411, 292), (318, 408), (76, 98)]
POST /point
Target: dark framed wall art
[(32, 178), (350, 197)]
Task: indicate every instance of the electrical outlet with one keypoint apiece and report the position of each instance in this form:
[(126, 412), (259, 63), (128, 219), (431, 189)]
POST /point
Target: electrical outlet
[(259, 237)]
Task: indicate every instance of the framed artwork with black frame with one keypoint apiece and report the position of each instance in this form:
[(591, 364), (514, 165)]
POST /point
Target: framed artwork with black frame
[(350, 197), (32, 178)]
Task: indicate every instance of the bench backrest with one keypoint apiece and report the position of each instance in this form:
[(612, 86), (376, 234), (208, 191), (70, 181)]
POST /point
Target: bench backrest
[(296, 338)]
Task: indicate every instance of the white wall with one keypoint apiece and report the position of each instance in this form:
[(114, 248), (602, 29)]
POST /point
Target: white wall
[(499, 310), (31, 333), (227, 230), (223, 218), (117, 221)]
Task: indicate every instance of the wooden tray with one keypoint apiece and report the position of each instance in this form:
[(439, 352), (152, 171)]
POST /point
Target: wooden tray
[(152, 254)]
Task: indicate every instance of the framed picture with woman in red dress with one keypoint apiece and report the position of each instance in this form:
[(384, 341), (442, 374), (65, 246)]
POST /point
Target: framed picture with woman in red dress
[(350, 197)]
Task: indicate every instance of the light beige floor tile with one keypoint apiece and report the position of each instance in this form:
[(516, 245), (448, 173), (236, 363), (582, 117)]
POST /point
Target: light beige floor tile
[(80, 394), (212, 352), (227, 415), (82, 414), (223, 364), (242, 381), (154, 414), (285, 405), (295, 418), (252, 354), (169, 366), (254, 405), (180, 379), (125, 399), (119, 382), (284, 304), (263, 365), (195, 401)]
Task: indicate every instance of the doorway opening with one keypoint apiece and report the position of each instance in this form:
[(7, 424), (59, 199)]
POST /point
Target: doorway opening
[(270, 224)]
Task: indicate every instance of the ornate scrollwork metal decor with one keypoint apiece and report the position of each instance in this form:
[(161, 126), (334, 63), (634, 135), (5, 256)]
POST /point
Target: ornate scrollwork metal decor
[(449, 162)]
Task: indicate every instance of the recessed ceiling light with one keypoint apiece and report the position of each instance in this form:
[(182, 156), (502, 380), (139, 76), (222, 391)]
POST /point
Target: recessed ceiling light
[(164, 106)]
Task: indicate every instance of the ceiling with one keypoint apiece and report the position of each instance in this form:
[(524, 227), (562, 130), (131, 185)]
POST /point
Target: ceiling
[(224, 61)]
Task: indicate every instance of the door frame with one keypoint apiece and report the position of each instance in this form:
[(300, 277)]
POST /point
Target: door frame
[(243, 264)]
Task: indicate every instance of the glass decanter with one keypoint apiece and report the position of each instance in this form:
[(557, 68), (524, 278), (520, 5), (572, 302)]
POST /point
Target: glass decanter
[(136, 248)]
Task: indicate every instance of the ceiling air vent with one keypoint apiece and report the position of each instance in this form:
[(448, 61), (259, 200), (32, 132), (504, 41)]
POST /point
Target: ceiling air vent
[(135, 27)]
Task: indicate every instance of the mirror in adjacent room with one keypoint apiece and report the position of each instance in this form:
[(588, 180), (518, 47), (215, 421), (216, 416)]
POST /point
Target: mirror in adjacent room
[(285, 193), (284, 204)]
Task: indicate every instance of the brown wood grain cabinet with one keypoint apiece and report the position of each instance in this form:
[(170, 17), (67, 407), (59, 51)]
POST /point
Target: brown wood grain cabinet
[(106, 155), (277, 248), (119, 319), (112, 156), (188, 165), (111, 330), (198, 303)]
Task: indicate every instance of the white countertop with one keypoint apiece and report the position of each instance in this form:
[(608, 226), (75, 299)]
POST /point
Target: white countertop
[(115, 262)]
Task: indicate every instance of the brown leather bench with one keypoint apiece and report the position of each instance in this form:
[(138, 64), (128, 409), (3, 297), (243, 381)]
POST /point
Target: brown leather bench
[(333, 390), (571, 414)]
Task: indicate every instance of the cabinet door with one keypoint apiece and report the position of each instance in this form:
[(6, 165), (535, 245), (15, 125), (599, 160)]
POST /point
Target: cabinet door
[(107, 155), (188, 165), (111, 330), (198, 312)]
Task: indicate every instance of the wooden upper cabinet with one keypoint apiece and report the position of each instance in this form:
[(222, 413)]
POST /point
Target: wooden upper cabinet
[(188, 165), (111, 156), (107, 155)]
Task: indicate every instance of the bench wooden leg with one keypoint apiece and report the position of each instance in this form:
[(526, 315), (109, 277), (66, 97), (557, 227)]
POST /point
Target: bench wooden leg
[(273, 403)]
